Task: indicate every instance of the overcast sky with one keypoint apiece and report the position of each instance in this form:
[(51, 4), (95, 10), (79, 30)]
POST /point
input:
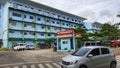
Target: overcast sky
[(94, 10)]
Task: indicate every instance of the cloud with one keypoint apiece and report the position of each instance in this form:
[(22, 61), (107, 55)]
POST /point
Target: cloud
[(95, 10)]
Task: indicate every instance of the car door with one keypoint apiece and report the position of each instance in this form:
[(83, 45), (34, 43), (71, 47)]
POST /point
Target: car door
[(94, 61), (105, 57)]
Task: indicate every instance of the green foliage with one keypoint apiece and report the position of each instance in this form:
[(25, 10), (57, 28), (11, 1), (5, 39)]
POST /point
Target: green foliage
[(81, 30), (5, 49), (1, 43), (65, 48), (110, 32)]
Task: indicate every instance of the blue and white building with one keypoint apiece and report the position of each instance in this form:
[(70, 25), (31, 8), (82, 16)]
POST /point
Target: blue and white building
[(25, 21), (92, 27)]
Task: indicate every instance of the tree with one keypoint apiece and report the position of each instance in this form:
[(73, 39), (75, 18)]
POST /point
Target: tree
[(81, 30), (109, 32)]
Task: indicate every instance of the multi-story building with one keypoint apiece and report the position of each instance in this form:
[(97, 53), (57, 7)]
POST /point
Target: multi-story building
[(25, 21), (92, 27)]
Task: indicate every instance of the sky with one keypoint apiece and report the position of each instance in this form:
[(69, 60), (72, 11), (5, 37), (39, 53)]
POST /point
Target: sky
[(102, 11)]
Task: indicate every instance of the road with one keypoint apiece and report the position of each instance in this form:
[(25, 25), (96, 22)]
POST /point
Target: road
[(33, 59), (45, 64)]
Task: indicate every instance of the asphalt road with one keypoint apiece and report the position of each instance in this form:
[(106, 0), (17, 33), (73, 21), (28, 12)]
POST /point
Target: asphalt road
[(45, 64)]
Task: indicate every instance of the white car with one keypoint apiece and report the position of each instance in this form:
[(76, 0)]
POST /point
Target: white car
[(90, 57), (29, 47), (20, 46)]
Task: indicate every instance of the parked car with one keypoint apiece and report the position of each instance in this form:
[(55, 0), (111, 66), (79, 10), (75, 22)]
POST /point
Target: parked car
[(91, 43), (19, 46), (90, 57), (115, 44), (29, 47)]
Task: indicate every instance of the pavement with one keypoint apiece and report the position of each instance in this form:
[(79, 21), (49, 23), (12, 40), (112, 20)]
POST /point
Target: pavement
[(45, 58)]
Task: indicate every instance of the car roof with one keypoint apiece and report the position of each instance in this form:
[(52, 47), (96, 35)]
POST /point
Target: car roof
[(92, 47)]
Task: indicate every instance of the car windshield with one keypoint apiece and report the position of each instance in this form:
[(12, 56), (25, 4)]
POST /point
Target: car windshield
[(81, 52)]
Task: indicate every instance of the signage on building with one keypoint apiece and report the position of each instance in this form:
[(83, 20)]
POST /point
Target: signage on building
[(65, 33), (78, 35)]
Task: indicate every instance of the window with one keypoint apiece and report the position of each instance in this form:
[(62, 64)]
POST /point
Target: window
[(49, 34), (63, 23), (67, 18), (42, 27), (65, 42), (38, 19), (39, 10), (25, 33), (53, 22), (63, 17), (67, 24), (0, 6), (58, 23), (105, 51), (75, 20), (16, 14), (72, 19), (13, 23), (31, 17), (24, 16), (48, 28), (58, 16), (47, 20), (42, 34), (11, 31), (25, 25), (32, 33), (95, 52), (74, 25)]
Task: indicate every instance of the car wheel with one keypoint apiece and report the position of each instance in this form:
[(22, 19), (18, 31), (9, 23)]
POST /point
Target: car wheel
[(82, 67), (113, 65)]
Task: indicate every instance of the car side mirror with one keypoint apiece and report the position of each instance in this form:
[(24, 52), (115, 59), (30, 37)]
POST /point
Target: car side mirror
[(90, 55)]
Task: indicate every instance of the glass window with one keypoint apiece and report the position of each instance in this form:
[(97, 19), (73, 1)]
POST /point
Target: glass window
[(16, 14), (38, 19), (31, 17), (24, 16), (42, 34), (11, 31), (49, 34), (58, 23), (95, 52), (65, 42), (42, 27), (47, 20), (105, 50), (81, 52), (25, 33), (63, 23), (53, 22)]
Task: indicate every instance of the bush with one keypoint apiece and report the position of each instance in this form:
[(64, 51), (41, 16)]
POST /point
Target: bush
[(5, 49), (65, 48)]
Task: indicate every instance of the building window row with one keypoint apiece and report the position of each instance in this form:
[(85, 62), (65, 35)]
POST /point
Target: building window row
[(49, 13)]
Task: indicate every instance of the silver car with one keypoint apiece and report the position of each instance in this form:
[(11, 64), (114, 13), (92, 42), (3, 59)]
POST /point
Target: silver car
[(90, 57)]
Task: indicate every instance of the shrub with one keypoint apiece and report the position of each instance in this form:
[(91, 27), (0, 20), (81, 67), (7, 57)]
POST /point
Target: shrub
[(5, 49), (65, 48)]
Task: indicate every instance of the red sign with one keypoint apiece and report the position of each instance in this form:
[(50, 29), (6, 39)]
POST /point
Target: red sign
[(66, 32), (78, 35)]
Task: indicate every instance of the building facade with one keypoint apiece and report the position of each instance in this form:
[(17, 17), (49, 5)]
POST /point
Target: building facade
[(92, 27), (29, 22)]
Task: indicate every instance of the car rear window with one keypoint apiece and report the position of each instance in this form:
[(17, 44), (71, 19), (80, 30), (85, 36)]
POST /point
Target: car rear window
[(105, 51)]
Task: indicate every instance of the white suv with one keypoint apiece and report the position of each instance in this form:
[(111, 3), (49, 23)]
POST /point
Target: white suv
[(90, 57), (20, 46)]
